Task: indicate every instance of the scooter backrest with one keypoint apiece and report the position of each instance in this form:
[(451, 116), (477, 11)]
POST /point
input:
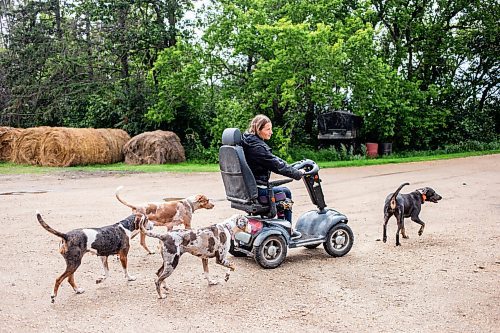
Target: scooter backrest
[(238, 179), (231, 137)]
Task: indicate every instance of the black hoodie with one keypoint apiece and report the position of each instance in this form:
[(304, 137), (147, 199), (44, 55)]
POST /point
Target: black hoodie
[(262, 162)]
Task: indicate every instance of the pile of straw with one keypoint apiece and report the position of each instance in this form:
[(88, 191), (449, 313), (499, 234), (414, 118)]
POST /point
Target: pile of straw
[(61, 146), (157, 147), (7, 137)]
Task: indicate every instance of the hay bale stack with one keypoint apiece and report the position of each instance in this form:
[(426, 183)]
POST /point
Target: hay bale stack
[(8, 135), (61, 146), (157, 147)]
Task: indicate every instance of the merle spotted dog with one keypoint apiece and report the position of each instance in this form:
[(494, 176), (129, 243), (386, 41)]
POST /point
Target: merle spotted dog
[(407, 205), (103, 241), (208, 242)]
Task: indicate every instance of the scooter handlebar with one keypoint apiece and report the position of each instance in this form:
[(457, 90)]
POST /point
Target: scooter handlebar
[(309, 166), (279, 182)]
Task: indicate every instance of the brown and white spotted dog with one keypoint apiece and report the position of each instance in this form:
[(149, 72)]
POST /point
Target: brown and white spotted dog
[(104, 241), (209, 242), (169, 213)]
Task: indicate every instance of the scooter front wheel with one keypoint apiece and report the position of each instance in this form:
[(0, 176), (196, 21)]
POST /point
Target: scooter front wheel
[(271, 252), (339, 240)]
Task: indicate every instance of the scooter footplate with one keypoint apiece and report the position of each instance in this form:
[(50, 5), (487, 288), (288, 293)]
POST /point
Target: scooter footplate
[(307, 240)]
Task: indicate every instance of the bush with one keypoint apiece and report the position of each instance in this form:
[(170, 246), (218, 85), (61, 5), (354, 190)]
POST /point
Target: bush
[(344, 153)]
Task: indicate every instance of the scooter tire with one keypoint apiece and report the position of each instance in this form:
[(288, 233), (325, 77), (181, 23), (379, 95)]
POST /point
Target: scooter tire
[(339, 249), (271, 252)]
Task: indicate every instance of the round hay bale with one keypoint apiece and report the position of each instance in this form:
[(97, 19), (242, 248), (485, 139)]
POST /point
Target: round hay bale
[(8, 135), (26, 147), (62, 146), (157, 147), (71, 146), (115, 139)]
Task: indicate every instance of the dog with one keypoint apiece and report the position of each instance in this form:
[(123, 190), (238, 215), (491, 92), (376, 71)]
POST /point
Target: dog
[(103, 241), (169, 213), (407, 205), (208, 242)]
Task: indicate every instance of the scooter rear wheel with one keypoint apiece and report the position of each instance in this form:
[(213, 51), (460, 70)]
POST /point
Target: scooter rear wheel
[(271, 252), (339, 240)]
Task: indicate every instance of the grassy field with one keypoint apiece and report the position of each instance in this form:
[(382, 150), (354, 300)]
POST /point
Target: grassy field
[(10, 168)]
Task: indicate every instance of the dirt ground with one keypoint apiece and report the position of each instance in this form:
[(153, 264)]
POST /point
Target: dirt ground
[(447, 280)]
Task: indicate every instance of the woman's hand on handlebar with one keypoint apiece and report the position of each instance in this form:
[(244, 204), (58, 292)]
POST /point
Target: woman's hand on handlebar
[(306, 166)]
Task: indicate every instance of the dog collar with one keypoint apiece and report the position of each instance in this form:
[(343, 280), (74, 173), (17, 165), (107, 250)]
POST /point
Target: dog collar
[(423, 197), (190, 204)]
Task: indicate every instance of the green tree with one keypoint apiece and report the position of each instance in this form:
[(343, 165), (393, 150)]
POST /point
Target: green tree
[(448, 52), (85, 63), (288, 60)]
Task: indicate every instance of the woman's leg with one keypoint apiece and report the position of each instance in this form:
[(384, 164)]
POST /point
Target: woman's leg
[(288, 194)]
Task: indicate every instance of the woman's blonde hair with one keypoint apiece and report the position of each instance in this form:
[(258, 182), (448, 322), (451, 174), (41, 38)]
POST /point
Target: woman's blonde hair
[(258, 122)]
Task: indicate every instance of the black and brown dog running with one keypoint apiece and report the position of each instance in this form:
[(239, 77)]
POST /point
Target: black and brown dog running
[(104, 241), (407, 205)]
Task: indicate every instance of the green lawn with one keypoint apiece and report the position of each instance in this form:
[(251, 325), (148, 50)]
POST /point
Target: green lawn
[(10, 168)]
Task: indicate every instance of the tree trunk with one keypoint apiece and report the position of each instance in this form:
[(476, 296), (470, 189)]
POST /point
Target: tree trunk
[(57, 11), (122, 26), (90, 67), (172, 21)]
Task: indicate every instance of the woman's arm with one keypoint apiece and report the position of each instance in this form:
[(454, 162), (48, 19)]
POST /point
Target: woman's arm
[(276, 164)]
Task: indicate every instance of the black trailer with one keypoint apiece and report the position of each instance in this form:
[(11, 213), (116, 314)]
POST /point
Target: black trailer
[(338, 127)]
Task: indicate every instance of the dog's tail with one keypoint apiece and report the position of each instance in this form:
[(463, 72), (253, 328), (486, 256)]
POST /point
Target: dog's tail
[(118, 189), (395, 194), (149, 232), (49, 229)]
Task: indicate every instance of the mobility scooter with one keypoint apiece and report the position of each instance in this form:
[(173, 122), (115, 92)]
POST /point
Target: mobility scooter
[(270, 237)]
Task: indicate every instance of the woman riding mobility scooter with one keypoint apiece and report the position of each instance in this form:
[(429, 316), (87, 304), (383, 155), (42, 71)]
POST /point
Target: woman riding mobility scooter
[(271, 237)]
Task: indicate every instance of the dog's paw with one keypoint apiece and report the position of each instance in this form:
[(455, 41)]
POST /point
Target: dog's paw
[(406, 236), (79, 290), (131, 278), (213, 282)]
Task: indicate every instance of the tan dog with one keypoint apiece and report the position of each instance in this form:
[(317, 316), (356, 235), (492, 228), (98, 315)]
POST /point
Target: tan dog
[(169, 213), (209, 242)]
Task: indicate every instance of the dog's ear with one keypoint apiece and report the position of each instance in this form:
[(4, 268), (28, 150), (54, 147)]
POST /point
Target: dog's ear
[(423, 194), (429, 191), (201, 199)]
